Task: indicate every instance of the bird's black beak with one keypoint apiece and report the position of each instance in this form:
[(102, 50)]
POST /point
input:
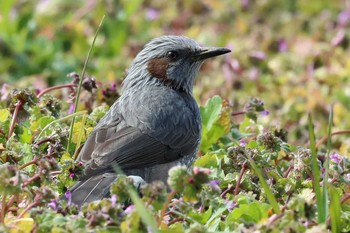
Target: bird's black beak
[(208, 52)]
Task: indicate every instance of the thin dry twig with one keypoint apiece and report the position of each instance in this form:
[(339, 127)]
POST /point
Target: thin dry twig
[(324, 138), (70, 85)]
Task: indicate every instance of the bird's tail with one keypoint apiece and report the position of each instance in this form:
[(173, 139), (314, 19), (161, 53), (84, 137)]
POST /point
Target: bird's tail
[(93, 188)]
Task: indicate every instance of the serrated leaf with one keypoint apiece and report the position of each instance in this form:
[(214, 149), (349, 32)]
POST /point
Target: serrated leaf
[(25, 136)]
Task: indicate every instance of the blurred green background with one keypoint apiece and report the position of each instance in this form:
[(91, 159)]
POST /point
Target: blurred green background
[(294, 55)]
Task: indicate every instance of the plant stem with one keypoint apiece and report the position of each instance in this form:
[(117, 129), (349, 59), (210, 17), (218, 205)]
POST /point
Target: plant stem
[(241, 173), (165, 207), (229, 187), (345, 198), (324, 138), (3, 209), (291, 166), (274, 217), (175, 221), (44, 140), (14, 118), (238, 113), (29, 163), (27, 209), (81, 81), (10, 202), (55, 173), (36, 176), (70, 85)]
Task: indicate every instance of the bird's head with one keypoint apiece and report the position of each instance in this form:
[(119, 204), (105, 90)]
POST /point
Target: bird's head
[(173, 61)]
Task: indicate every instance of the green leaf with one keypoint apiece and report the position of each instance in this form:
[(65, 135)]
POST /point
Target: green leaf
[(253, 144), (216, 215), (4, 114), (207, 161), (79, 132), (41, 123), (201, 217), (211, 137), (66, 156), (25, 136), (210, 112)]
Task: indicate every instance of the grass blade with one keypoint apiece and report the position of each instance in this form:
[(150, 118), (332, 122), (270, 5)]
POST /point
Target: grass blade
[(144, 213), (81, 81), (146, 217), (316, 174), (326, 164), (58, 120), (271, 198), (335, 210)]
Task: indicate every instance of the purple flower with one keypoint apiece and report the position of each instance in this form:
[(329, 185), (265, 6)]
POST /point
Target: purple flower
[(68, 195), (336, 158), (214, 184), (245, 4), (230, 205), (71, 175), (242, 143), (114, 200), (53, 205), (282, 45), (344, 17), (253, 74), (71, 108), (129, 209), (152, 14), (260, 55), (338, 39), (265, 113)]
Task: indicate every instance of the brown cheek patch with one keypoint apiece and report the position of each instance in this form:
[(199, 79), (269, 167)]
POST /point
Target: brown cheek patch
[(157, 67)]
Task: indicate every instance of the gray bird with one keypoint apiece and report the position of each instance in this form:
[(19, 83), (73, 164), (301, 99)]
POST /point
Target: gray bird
[(154, 125)]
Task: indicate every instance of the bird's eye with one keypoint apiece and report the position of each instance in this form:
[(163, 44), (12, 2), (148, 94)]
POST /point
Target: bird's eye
[(172, 55)]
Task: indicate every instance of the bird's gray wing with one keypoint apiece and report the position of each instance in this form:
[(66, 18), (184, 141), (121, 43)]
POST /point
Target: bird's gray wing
[(125, 147)]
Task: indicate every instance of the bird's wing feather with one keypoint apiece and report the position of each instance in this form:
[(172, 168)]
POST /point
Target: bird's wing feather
[(92, 188), (127, 147)]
